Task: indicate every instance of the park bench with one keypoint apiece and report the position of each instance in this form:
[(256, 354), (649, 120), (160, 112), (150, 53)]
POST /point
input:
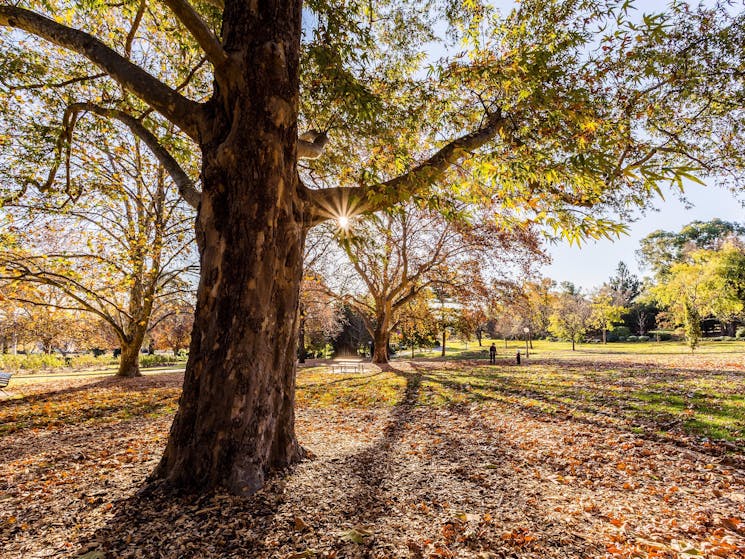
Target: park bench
[(4, 380), (348, 366)]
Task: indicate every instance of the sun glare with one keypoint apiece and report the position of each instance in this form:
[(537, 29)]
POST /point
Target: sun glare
[(343, 222)]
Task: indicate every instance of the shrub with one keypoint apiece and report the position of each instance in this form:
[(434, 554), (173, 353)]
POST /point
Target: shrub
[(715, 339), (159, 360), (620, 331), (612, 337), (661, 335), (728, 339), (45, 362), (643, 338), (632, 339), (87, 361), (741, 332)]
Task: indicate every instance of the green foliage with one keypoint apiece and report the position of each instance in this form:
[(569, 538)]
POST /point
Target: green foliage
[(621, 331), (660, 250), (692, 325), (604, 311), (160, 360), (53, 361), (741, 332), (571, 317)]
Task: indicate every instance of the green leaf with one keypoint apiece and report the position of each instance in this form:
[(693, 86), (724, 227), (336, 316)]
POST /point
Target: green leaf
[(357, 535)]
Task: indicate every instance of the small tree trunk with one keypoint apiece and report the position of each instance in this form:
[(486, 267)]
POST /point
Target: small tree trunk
[(444, 335), (605, 340), (572, 344), (301, 338)]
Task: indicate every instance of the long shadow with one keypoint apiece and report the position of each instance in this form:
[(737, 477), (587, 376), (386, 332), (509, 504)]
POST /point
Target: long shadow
[(127, 384), (588, 415), (238, 527), (375, 469), (53, 408), (365, 379), (372, 466)]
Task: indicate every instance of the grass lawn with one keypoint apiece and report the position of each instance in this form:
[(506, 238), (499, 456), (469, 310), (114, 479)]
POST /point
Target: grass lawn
[(624, 450)]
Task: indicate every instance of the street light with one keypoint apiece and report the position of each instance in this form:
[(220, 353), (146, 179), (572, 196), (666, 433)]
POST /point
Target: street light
[(527, 332)]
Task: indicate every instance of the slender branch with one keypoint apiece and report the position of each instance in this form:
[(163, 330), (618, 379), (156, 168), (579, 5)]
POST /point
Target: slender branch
[(135, 26), (201, 32), (56, 85), (184, 184), (186, 114)]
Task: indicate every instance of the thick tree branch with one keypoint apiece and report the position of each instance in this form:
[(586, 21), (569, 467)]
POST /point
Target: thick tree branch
[(186, 114), (310, 145), (201, 32), (367, 199), (184, 184)]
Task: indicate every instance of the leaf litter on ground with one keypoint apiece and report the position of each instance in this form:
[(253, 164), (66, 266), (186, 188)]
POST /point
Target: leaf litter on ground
[(465, 461)]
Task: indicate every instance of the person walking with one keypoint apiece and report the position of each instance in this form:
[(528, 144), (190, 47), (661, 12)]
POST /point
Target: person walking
[(493, 354)]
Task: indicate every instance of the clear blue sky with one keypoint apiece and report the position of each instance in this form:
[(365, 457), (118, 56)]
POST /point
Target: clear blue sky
[(594, 262)]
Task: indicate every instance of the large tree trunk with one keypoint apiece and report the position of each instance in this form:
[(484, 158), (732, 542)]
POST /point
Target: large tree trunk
[(129, 360), (380, 341), (235, 421)]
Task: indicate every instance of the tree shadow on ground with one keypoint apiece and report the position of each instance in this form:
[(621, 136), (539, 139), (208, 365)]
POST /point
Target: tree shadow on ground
[(135, 384), (606, 410), (101, 401), (184, 525)]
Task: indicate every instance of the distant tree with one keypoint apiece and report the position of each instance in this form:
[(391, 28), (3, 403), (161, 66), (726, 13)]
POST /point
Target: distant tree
[(641, 316), (685, 294), (571, 315), (51, 322), (173, 327), (321, 314), (471, 322), (691, 324), (624, 286), (605, 312), (660, 250), (724, 270), (397, 255), (417, 325)]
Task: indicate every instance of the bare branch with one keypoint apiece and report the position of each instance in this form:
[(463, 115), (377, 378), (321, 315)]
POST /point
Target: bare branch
[(135, 26), (186, 114), (201, 32)]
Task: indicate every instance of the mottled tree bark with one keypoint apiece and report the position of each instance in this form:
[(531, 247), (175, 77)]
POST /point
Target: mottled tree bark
[(236, 415), (380, 335), (129, 360)]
